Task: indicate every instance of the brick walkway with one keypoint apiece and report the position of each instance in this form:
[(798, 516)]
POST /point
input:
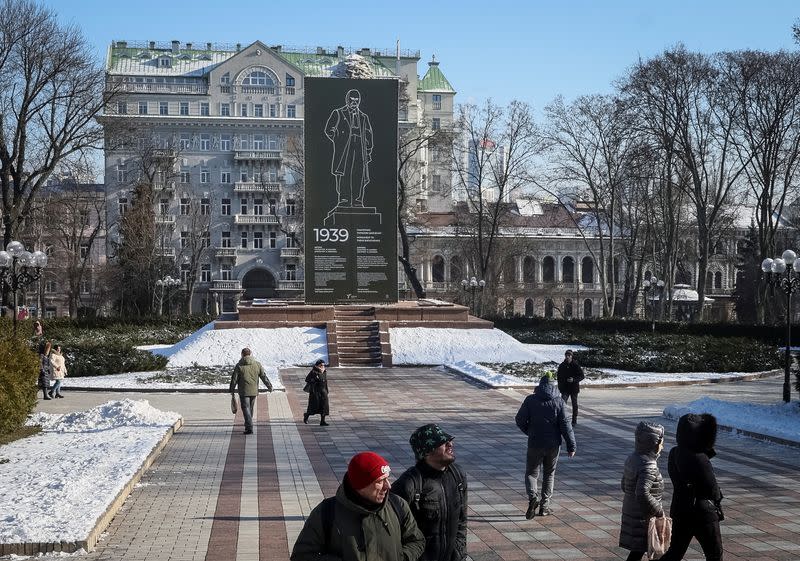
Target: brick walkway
[(216, 495)]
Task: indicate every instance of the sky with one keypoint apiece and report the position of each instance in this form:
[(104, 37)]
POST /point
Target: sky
[(505, 50)]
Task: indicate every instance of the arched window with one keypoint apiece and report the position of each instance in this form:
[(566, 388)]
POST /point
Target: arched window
[(548, 308), (529, 270), (587, 270), (718, 279), (509, 309), (567, 308), (648, 275), (548, 269), (709, 279), (456, 269), (258, 78), (568, 270), (437, 268), (509, 271), (587, 308), (529, 308)]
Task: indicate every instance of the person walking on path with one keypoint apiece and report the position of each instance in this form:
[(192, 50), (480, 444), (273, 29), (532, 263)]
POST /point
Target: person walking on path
[(317, 387), (570, 375), (58, 368), (643, 487), (436, 490), (45, 369), (363, 522), (696, 508), (542, 418), (246, 375)]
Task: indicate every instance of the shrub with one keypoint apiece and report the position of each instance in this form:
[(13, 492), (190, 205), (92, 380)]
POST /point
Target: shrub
[(19, 371), (97, 359)]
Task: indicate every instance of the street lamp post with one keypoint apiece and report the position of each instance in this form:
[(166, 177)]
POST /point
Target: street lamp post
[(657, 288), (781, 272), (472, 286), (166, 283), (19, 268)]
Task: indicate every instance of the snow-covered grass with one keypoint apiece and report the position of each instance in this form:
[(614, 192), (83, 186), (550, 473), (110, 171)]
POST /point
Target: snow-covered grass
[(781, 420), (423, 345), (58, 482), (161, 380)]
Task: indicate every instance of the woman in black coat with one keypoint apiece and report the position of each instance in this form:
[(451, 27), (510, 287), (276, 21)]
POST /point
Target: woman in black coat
[(44, 369), (696, 500), (643, 487), (317, 386)]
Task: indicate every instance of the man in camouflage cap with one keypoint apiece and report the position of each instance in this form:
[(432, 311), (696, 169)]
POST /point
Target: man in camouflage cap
[(436, 490)]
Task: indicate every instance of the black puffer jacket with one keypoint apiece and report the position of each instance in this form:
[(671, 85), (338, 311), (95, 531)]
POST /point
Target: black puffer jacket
[(542, 418), (643, 487), (696, 490), (438, 501)]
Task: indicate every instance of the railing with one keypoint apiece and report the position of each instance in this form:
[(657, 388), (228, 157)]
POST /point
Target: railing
[(255, 219), (252, 186), (435, 286), (160, 186), (199, 89), (264, 90), (290, 285), (221, 285), (289, 252), (165, 219), (166, 252), (225, 252), (257, 155), (225, 89)]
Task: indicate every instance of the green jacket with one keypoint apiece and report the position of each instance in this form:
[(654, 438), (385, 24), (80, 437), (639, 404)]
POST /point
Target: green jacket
[(246, 375), (359, 534)]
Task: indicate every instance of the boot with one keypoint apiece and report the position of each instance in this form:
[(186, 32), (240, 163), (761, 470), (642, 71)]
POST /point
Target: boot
[(305, 418), (46, 395), (532, 504), (58, 395), (322, 423)]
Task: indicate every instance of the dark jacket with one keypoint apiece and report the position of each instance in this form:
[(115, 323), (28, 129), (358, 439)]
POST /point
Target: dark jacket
[(643, 487), (438, 501), (246, 374), (569, 370), (689, 464), (45, 368), (542, 418), (359, 533), (317, 392)]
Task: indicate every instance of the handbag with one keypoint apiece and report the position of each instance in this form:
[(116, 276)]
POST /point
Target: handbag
[(234, 407), (659, 534)]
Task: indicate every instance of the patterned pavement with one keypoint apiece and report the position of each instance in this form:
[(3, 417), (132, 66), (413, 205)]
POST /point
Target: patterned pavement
[(214, 494)]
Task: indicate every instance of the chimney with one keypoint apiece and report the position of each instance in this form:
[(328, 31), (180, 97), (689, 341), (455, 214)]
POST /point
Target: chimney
[(208, 46), (189, 46), (175, 46), (238, 47), (340, 51), (152, 45)]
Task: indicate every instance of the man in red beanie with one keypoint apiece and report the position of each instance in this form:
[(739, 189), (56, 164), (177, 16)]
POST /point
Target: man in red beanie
[(363, 522)]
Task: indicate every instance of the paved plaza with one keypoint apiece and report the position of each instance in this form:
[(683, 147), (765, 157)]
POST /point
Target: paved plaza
[(216, 495)]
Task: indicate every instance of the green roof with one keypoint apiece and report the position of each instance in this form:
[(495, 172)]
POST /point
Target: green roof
[(434, 80)]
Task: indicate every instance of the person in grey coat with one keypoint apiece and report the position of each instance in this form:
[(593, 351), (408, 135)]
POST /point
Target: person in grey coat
[(542, 418), (643, 487), (246, 375)]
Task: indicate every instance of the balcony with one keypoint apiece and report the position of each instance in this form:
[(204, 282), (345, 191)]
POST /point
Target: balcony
[(250, 219), (165, 252), (195, 89), (168, 219), (257, 155), (256, 187), (296, 285), (291, 252), (220, 252), (226, 286)]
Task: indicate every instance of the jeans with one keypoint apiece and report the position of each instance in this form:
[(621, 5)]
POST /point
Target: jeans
[(574, 398), (248, 404), (548, 458), (56, 389)]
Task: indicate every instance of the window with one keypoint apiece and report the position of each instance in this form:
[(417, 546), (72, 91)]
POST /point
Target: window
[(185, 273), (122, 205), (273, 240), (184, 108), (184, 208), (163, 108), (273, 143), (226, 239), (290, 207), (205, 273), (225, 142), (291, 240), (436, 124), (258, 142), (163, 207), (205, 141), (142, 108), (204, 108), (86, 286), (258, 240), (122, 108), (256, 177), (436, 183), (185, 176), (243, 176), (242, 206), (258, 207), (120, 173), (258, 110), (291, 272), (225, 109), (273, 207), (204, 176), (225, 177), (291, 111), (289, 80), (437, 101), (225, 272), (243, 110), (225, 79), (273, 110), (184, 240), (226, 207), (244, 240), (205, 239), (185, 141), (50, 286), (257, 78), (84, 250), (205, 207)]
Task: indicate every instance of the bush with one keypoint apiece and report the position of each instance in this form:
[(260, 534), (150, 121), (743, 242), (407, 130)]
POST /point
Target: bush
[(97, 359), (19, 371)]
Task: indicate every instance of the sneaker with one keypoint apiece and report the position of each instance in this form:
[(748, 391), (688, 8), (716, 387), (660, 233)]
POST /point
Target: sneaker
[(545, 511), (532, 504)]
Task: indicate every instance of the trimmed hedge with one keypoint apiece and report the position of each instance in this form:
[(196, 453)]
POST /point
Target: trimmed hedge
[(19, 371), (97, 359)]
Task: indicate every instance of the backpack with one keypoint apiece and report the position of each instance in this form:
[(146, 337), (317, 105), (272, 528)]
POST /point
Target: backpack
[(328, 507), (415, 500)]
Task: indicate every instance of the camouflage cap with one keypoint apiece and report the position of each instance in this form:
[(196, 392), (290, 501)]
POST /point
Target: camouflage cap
[(426, 439)]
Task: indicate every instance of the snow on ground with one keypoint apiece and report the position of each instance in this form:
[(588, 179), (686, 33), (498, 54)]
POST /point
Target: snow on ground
[(58, 482), (554, 353), (139, 381), (424, 345), (781, 420)]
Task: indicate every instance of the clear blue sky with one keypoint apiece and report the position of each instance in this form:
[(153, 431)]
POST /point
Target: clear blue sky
[(531, 51)]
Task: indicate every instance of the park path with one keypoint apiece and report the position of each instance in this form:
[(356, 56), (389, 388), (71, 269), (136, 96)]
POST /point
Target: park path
[(214, 494)]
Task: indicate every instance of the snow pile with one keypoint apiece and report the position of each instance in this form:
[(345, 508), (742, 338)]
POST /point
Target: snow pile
[(780, 420), (487, 375), (110, 415), (425, 345), (57, 483), (282, 346)]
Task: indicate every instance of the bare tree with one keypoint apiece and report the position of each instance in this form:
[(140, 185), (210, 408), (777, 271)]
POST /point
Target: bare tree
[(195, 241), (51, 90)]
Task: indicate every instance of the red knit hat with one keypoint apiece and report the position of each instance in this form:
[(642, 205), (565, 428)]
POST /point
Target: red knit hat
[(364, 468)]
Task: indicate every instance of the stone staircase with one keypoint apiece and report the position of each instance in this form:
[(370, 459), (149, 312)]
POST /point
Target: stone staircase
[(358, 341)]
